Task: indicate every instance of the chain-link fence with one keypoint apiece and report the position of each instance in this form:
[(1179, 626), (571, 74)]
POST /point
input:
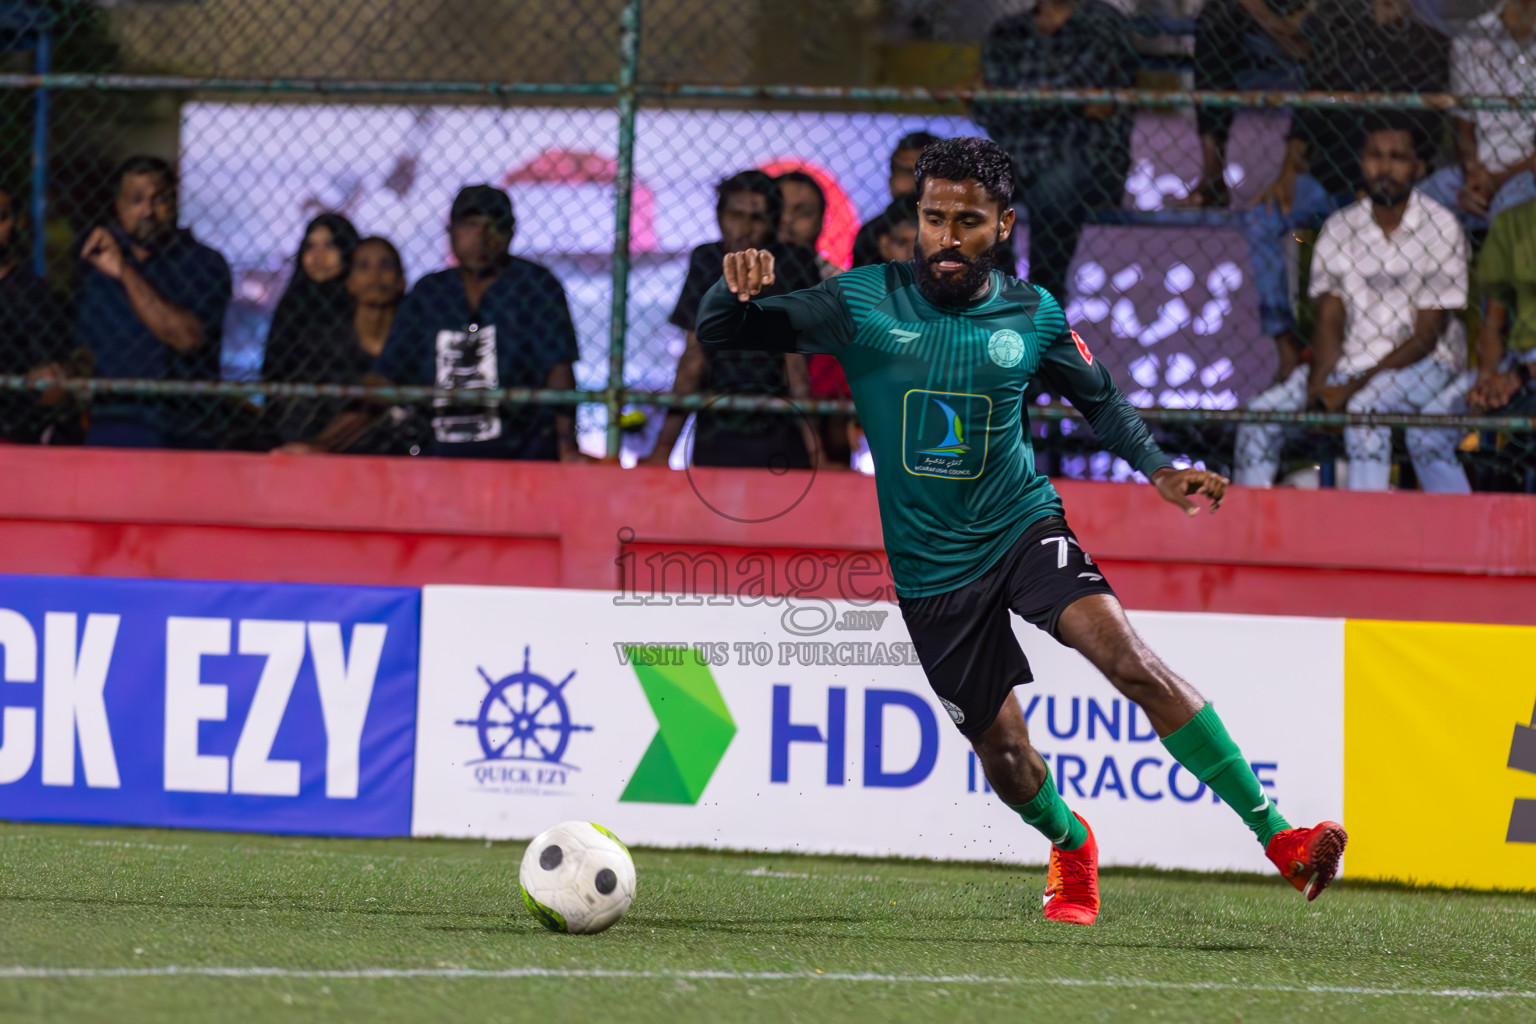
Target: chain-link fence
[(1301, 234)]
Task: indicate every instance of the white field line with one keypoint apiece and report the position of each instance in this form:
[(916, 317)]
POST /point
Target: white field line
[(471, 973), (254, 851)]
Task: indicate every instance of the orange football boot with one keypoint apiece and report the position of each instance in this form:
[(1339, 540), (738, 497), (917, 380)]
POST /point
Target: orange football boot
[(1072, 882), (1308, 857)]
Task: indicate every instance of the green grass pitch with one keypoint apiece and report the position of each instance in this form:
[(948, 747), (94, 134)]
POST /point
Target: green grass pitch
[(128, 925)]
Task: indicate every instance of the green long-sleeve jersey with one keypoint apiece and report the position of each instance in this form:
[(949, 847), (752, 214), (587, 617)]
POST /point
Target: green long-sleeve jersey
[(940, 395)]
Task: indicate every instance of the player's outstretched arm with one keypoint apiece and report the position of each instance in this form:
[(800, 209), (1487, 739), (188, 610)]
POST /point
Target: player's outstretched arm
[(1070, 371), (732, 316)]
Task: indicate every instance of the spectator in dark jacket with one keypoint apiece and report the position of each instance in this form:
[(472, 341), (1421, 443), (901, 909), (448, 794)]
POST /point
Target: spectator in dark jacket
[(1242, 44), (1070, 160), (35, 342), (151, 305), (748, 207)]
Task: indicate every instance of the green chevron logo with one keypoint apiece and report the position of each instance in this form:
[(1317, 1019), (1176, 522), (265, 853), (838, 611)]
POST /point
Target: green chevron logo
[(694, 729)]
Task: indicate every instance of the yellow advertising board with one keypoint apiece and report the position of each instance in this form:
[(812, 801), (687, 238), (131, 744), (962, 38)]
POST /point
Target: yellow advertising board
[(1440, 753)]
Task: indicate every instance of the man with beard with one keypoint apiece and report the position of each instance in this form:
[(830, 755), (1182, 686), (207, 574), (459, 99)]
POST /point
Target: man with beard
[(939, 351), (1385, 272), (151, 306)]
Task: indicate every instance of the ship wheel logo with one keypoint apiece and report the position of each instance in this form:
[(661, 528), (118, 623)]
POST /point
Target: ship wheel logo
[(524, 717)]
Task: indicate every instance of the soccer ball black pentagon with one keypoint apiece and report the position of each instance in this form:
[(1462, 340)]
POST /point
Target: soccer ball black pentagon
[(577, 877)]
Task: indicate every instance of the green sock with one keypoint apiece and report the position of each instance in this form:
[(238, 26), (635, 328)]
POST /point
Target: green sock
[(1203, 746), (1049, 815)]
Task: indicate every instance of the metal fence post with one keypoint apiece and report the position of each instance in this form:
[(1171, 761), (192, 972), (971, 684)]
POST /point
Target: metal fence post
[(624, 183)]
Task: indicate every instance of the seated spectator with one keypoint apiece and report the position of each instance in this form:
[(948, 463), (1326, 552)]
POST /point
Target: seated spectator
[(345, 353), (805, 214), (748, 209), (1070, 160), (151, 305), (1385, 274), (1356, 46), (316, 299), (902, 183), (1495, 150), (35, 342), (494, 321), (1242, 44), (1506, 350), (805, 210), (894, 232)]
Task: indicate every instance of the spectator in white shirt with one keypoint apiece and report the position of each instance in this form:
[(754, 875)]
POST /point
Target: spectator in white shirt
[(1495, 150), (1385, 272)]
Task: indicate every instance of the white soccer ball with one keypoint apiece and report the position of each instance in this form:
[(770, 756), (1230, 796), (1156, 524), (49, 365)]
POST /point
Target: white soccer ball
[(577, 877)]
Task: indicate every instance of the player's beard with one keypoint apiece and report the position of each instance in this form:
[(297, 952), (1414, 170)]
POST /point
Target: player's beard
[(959, 289), (1388, 192)]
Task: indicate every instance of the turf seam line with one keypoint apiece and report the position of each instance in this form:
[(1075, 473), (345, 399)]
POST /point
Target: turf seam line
[(392, 973)]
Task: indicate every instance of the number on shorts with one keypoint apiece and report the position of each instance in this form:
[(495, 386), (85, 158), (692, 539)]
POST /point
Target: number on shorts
[(1061, 550)]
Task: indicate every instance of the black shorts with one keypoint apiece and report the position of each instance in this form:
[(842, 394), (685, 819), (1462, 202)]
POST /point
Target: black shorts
[(964, 638)]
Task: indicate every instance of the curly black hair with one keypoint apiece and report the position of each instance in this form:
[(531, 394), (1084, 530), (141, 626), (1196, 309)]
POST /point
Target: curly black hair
[(969, 159), (752, 181)]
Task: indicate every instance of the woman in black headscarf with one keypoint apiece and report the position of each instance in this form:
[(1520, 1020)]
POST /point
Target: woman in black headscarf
[(345, 354), (316, 301)]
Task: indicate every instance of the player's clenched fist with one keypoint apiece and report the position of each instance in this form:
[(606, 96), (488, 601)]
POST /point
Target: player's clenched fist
[(748, 272)]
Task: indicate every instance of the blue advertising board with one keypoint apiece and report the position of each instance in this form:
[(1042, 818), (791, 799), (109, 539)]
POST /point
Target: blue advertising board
[(250, 706)]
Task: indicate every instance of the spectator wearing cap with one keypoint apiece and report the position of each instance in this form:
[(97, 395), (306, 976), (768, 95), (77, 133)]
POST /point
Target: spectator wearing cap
[(151, 305), (1070, 161), (748, 209), (494, 321), (902, 182)]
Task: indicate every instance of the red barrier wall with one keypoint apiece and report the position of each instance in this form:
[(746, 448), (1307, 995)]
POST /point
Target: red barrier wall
[(416, 521)]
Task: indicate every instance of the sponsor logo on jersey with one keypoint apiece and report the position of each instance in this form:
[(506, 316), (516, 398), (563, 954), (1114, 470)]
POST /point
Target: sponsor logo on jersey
[(1082, 348), (1006, 348), (905, 336), (954, 433), (944, 433)]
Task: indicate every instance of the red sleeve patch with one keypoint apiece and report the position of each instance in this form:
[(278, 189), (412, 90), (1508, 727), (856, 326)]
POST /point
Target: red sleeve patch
[(1082, 349)]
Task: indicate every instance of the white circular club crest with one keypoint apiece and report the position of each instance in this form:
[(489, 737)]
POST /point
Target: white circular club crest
[(1006, 349)]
